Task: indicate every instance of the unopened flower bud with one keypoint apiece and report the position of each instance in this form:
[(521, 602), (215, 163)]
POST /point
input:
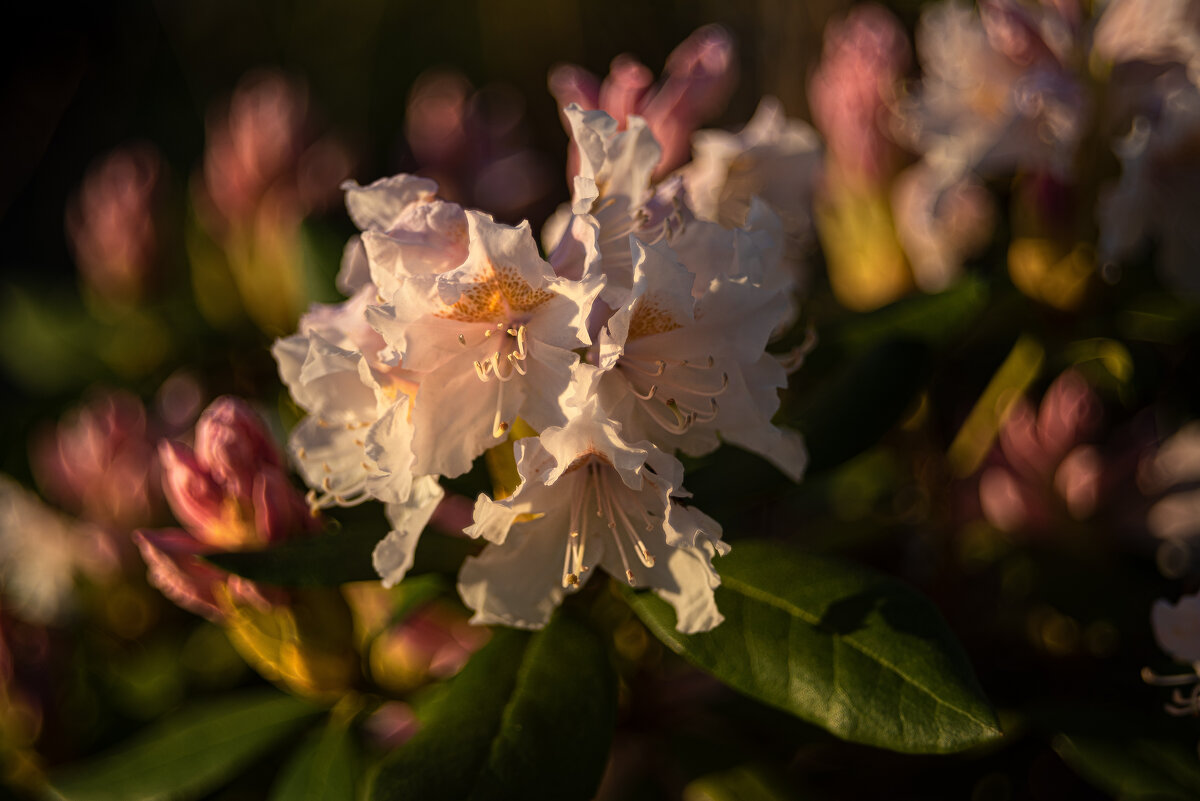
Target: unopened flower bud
[(231, 491), (111, 223), (195, 498), (234, 446)]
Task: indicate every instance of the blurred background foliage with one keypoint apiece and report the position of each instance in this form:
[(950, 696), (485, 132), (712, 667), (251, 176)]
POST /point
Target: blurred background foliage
[(1055, 624)]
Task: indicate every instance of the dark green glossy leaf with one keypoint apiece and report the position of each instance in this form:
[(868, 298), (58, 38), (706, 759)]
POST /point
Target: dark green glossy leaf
[(324, 768), (1138, 764), (338, 558), (530, 717), (863, 402), (190, 753), (854, 652)]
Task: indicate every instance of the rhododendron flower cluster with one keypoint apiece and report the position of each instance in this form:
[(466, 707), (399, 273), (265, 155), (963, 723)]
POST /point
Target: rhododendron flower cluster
[(642, 335)]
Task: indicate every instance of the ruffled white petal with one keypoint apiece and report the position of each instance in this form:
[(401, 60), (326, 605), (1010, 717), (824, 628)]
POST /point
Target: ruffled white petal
[(393, 556)]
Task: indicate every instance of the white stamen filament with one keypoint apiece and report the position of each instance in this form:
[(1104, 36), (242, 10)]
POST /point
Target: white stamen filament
[(649, 394), (491, 365), (639, 547), (499, 427), (681, 385), (573, 565), (679, 425)]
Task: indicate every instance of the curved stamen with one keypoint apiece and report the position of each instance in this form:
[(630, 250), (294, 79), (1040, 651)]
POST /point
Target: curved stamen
[(495, 363), (522, 347), (679, 425), (648, 395), (514, 361), (660, 366), (639, 547), (612, 525), (699, 417), (709, 361), (688, 382)]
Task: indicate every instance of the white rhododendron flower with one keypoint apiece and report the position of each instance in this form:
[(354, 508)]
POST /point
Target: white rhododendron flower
[(646, 325), (679, 371), (773, 158), (997, 91), (613, 188), (587, 499), (493, 339), (354, 444)]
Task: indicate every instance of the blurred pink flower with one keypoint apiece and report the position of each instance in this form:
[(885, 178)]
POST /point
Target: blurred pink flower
[(391, 725), (698, 79), (851, 91), (231, 493), (475, 144), (260, 145), (111, 223), (99, 462), (432, 643), (1042, 464), (999, 89)]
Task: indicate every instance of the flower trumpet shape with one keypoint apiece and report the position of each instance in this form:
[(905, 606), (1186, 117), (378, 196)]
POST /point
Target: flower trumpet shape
[(492, 339), (588, 499)]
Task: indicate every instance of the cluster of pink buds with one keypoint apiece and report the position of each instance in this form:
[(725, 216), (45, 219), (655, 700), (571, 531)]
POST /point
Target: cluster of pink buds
[(231, 492), (697, 80), (1043, 463)]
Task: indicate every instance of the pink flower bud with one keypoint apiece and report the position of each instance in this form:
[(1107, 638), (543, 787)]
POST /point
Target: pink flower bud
[(1070, 411), (234, 447), (99, 463), (700, 75), (111, 223), (863, 59), (259, 146), (1043, 466), (176, 569), (621, 93), (231, 492), (279, 510), (196, 499), (697, 80)]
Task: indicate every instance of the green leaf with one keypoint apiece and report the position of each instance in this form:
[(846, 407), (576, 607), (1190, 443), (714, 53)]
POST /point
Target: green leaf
[(337, 558), (864, 402), (322, 769), (530, 717), (854, 652), (935, 319), (190, 753), (1137, 765)]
